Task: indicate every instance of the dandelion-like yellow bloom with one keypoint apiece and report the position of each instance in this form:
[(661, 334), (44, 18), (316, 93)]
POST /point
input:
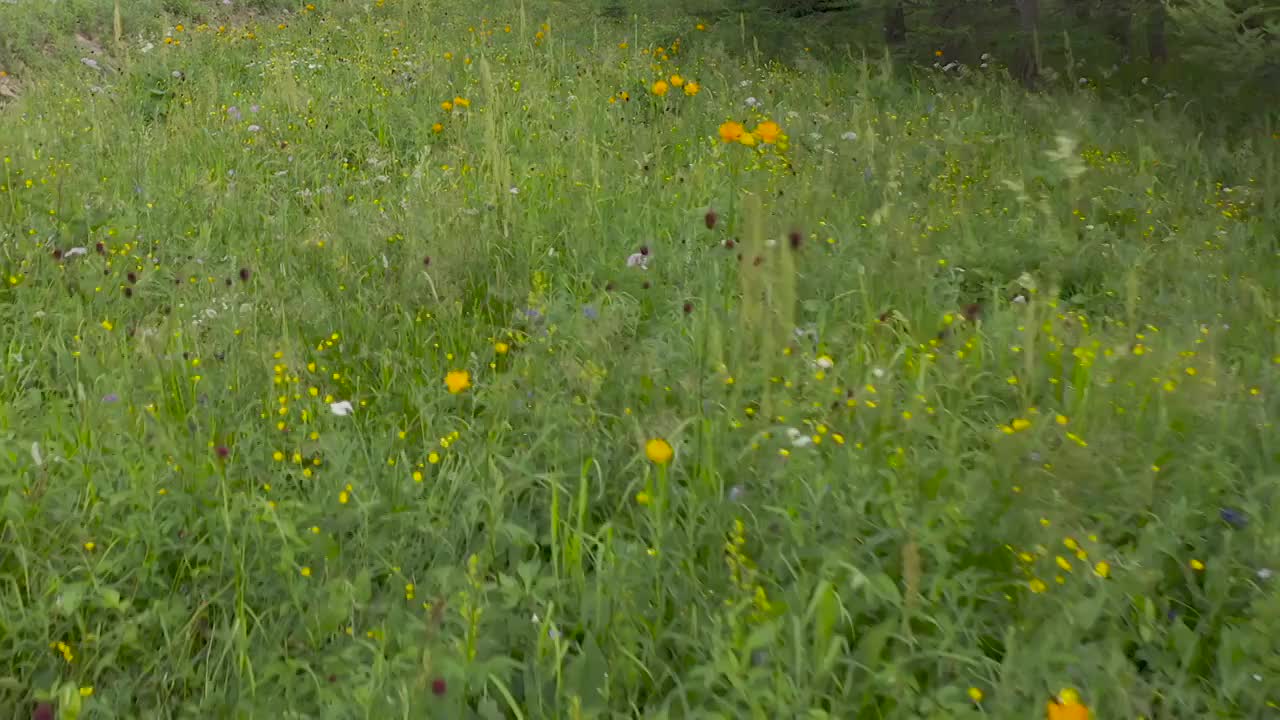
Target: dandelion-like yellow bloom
[(660, 88), (658, 451), (437, 128), (747, 139), (677, 81), (731, 131), (446, 106), (691, 88), (457, 381)]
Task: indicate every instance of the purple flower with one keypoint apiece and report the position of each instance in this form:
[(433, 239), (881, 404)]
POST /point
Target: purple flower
[(1233, 517), (590, 313), (110, 398), (233, 112)]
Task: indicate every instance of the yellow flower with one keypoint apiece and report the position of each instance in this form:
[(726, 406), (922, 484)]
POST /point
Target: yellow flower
[(731, 131), (1062, 419), (691, 88), (658, 451), (747, 139), (306, 572), (975, 694), (676, 81), (461, 102), (1196, 565), (660, 88), (501, 348), (1067, 706), (1103, 569), (86, 691), (642, 498), (446, 106), (437, 128), (1037, 585), (457, 381), (700, 27), (1020, 424), (768, 132)]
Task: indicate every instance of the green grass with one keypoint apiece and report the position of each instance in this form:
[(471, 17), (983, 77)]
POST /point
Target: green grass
[(871, 479)]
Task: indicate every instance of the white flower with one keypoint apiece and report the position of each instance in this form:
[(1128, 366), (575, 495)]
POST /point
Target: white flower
[(35, 454), (877, 372), (1020, 299), (639, 260), (76, 251), (849, 136), (752, 102), (342, 407), (798, 439), (824, 362)]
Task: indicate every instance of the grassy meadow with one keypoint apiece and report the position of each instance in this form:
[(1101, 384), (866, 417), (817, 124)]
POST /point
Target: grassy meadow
[(413, 359)]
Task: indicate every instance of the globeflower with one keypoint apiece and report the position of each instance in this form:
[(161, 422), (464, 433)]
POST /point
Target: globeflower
[(731, 131), (658, 451), (768, 132)]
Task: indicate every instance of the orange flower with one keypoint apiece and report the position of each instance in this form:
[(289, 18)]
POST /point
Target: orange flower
[(768, 132), (660, 88), (731, 131), (691, 88)]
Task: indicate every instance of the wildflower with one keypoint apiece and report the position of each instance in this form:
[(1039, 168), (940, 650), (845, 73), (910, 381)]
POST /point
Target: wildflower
[(1020, 424), (501, 348), (1102, 569), (642, 498), (731, 131), (341, 408), (305, 572), (437, 128), (768, 132), (1067, 706), (439, 687), (747, 139), (677, 81), (457, 381), (1037, 585), (660, 88), (691, 88), (658, 451), (975, 694), (710, 219), (640, 260), (1196, 565), (446, 106)]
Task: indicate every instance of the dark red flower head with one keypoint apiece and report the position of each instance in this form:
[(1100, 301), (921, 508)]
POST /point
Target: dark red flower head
[(794, 238), (711, 219), (43, 711), (439, 686)]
